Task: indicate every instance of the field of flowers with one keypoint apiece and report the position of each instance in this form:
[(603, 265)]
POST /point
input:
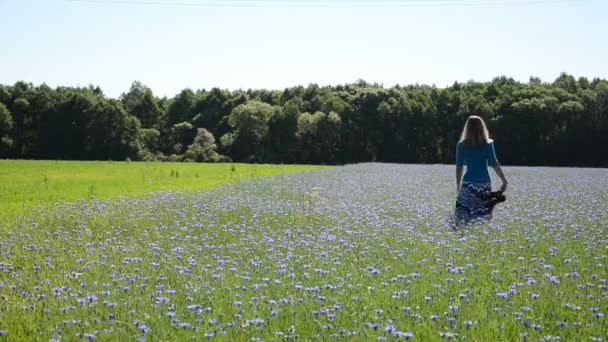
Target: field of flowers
[(361, 252)]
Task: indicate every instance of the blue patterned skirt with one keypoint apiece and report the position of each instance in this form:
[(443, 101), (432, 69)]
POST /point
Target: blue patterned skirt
[(469, 203)]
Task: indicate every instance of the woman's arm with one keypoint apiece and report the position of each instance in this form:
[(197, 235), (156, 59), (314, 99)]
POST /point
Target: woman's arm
[(459, 165), (500, 174), (493, 162), (458, 177)]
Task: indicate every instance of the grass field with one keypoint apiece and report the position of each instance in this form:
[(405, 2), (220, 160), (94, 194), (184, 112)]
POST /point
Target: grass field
[(361, 252), (25, 184)]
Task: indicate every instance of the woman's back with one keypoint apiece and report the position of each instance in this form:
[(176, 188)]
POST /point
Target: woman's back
[(476, 158)]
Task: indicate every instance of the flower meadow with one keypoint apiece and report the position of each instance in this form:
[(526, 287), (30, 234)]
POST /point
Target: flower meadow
[(360, 252)]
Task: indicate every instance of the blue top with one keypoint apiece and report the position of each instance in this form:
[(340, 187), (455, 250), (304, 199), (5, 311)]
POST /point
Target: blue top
[(477, 159)]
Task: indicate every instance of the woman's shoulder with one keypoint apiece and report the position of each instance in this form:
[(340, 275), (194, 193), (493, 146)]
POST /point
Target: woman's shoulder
[(489, 146)]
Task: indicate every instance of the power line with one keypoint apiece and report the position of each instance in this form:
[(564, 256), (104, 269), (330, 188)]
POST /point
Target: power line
[(328, 3), (206, 2)]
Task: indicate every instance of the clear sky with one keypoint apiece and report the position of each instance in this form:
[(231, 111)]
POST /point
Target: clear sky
[(171, 47)]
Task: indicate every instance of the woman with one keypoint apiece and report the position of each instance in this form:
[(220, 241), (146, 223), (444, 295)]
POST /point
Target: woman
[(475, 150)]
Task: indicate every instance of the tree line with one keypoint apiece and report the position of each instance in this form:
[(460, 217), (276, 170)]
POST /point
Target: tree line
[(559, 123)]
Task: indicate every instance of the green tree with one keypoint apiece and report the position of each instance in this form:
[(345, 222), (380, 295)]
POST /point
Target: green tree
[(111, 133), (564, 122), (134, 96), (567, 82), (250, 126), (5, 94), (23, 121), (181, 109), (6, 125), (282, 127), (150, 139), (203, 148), (319, 136), (66, 128), (210, 109), (396, 113), (181, 135), (141, 103), (533, 119)]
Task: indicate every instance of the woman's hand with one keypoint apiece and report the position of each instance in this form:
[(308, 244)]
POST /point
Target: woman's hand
[(459, 169), (500, 174)]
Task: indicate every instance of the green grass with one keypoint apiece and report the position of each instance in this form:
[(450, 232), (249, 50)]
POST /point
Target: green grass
[(25, 184), (354, 253)]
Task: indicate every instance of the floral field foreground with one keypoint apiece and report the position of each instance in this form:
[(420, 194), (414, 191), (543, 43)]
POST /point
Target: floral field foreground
[(362, 252)]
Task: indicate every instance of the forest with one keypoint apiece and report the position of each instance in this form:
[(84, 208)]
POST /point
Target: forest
[(558, 123)]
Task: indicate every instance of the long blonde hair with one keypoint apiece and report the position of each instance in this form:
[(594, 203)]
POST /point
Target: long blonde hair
[(475, 132)]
